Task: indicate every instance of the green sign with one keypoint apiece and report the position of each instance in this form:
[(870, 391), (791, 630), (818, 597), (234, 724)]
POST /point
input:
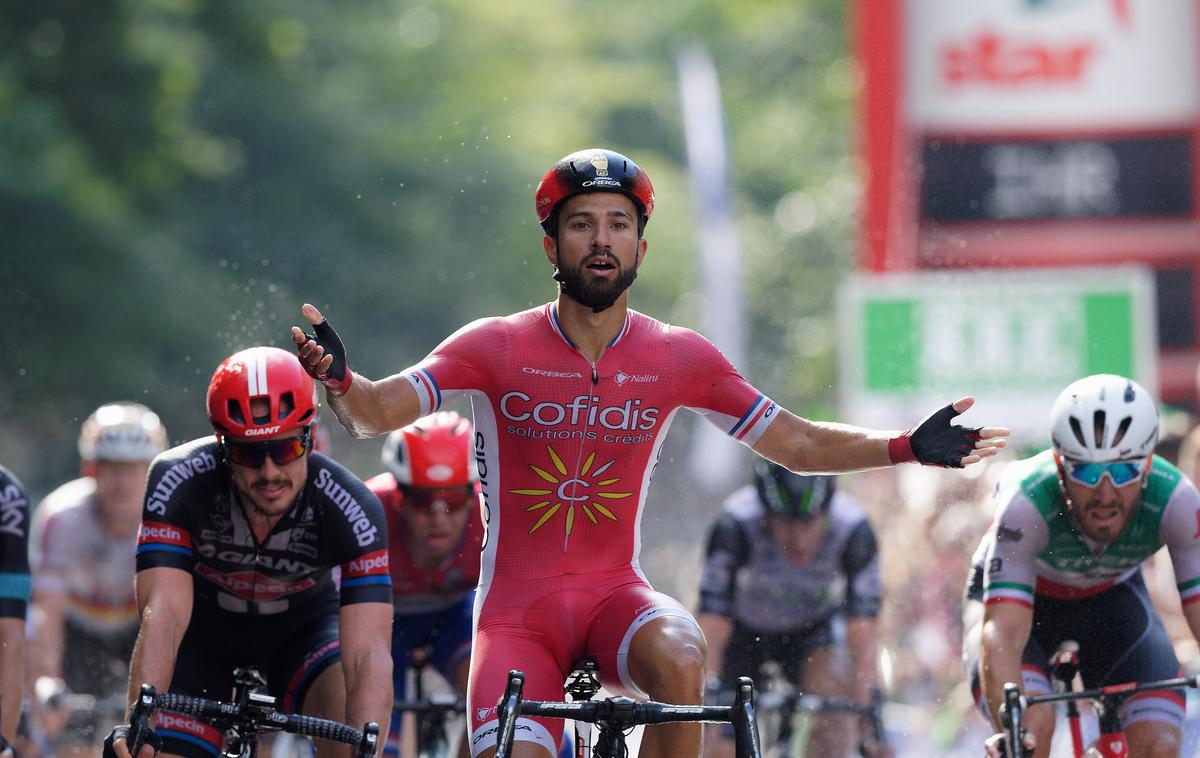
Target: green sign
[(1013, 338)]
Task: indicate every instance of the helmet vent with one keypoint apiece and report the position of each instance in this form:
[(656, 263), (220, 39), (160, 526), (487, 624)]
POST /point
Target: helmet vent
[(1098, 427), (287, 404), (1124, 427), (1130, 394), (1077, 430), (234, 410)]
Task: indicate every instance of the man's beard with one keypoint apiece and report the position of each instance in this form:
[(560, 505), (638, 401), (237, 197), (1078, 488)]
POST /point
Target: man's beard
[(597, 294)]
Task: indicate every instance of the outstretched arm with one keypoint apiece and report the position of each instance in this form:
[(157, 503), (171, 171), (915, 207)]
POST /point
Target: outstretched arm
[(366, 408), (821, 447)]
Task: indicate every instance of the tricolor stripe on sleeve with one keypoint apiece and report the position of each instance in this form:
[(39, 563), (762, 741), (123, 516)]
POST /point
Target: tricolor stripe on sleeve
[(427, 390), (1189, 592), (759, 414), (1008, 592), (156, 536)]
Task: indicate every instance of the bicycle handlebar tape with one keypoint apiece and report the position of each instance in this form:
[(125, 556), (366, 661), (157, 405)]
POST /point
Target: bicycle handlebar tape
[(935, 441), (337, 379)]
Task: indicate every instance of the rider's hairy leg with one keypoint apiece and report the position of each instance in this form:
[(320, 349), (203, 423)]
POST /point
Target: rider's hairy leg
[(1039, 720), (326, 699), (666, 660), (1153, 739), (826, 672), (716, 745)]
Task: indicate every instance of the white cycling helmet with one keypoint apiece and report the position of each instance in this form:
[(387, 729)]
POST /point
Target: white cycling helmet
[(122, 432), (1104, 418)]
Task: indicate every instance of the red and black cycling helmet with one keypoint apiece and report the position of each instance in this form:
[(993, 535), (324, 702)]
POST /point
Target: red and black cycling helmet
[(260, 372), (592, 170), (436, 451)]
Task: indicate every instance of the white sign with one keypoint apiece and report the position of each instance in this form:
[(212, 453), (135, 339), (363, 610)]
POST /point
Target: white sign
[(1002, 66)]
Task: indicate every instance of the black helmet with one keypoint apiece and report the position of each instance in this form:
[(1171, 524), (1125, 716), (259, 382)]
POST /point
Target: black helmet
[(592, 170), (792, 496)]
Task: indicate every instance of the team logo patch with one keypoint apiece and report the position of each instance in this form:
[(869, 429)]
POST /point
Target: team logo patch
[(582, 492)]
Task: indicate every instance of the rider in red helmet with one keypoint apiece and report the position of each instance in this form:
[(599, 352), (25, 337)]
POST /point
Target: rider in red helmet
[(572, 401), (239, 538), (430, 492)]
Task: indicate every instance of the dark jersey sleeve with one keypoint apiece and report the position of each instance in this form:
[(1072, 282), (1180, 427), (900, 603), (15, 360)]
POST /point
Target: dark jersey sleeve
[(179, 478), (357, 532), (14, 547), (728, 550), (860, 563)]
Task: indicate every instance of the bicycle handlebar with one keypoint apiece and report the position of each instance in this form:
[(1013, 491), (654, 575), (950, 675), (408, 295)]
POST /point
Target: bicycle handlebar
[(1114, 690), (1015, 702), (624, 712), (258, 713), (619, 713)]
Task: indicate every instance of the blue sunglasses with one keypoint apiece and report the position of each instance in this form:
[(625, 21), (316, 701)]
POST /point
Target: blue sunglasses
[(1120, 473)]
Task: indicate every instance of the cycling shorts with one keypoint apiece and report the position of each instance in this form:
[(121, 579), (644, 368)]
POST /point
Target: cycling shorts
[(290, 650), (749, 650), (95, 664), (544, 629), (1121, 639), (447, 631)]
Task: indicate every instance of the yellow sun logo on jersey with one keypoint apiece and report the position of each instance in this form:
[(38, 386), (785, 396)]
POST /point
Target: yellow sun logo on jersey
[(581, 492)]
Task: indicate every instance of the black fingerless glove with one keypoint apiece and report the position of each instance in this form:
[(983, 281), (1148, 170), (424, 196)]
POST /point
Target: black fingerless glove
[(121, 732), (337, 379), (935, 441)]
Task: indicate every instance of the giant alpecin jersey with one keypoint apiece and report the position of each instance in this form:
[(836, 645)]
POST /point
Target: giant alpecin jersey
[(193, 521), (1034, 548), (566, 446)]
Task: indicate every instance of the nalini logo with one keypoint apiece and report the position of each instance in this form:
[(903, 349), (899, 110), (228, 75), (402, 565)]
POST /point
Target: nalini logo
[(621, 377)]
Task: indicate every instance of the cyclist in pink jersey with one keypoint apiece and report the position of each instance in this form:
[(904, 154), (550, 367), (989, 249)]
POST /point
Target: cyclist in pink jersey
[(572, 401)]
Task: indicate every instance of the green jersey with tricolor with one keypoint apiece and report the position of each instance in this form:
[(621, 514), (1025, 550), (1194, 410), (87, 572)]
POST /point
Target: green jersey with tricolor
[(1034, 547)]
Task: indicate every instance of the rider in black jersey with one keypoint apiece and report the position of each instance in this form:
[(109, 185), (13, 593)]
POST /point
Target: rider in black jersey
[(791, 576), (14, 597), (239, 538)]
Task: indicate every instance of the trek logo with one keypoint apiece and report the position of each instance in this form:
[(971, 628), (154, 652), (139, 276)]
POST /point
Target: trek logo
[(177, 475), (621, 377), (263, 431), (583, 410), (364, 531), (12, 511), (552, 374)]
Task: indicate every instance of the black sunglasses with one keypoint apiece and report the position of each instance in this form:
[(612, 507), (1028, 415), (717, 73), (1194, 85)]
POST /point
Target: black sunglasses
[(254, 454)]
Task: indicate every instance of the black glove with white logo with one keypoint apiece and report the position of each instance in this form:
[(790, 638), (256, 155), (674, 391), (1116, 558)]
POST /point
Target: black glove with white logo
[(337, 379), (935, 441)]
